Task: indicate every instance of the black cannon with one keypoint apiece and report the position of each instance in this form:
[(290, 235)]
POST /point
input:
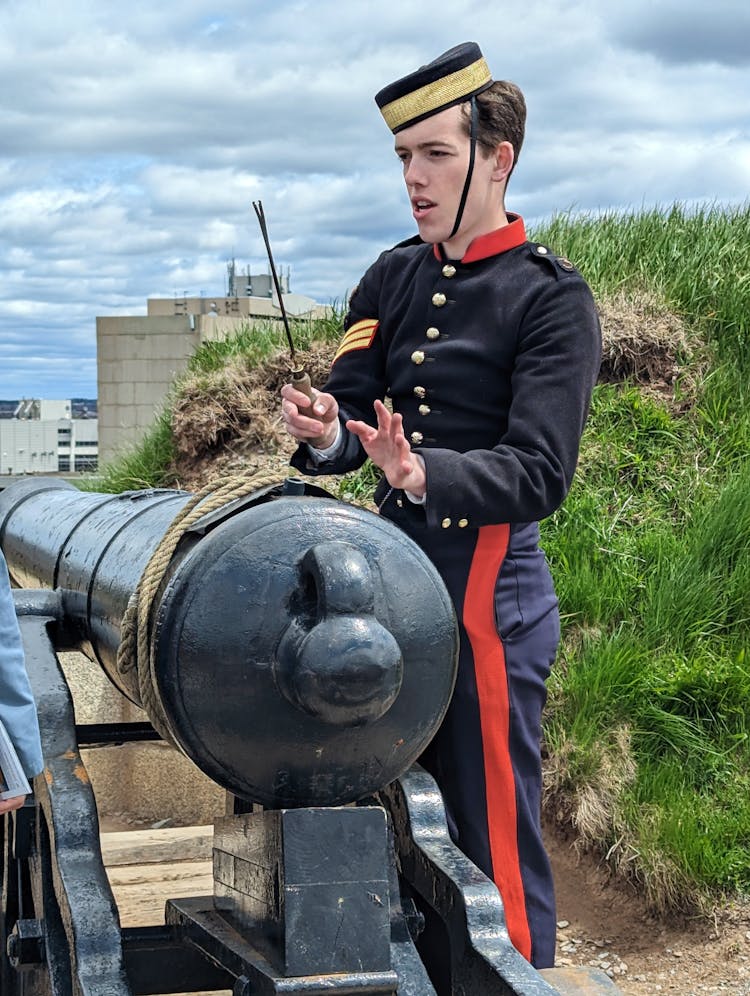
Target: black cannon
[(301, 652)]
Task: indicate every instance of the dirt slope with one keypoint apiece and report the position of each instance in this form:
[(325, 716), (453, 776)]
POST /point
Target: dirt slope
[(606, 923)]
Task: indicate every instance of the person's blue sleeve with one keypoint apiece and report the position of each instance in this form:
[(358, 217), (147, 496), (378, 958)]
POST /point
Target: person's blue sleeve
[(17, 707)]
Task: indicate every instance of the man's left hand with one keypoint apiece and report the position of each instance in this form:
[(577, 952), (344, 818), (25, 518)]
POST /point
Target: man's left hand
[(389, 449)]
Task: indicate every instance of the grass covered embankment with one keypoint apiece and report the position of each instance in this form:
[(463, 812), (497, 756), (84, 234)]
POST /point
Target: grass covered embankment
[(647, 726)]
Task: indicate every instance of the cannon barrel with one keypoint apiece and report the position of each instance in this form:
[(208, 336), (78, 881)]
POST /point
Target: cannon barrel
[(302, 650)]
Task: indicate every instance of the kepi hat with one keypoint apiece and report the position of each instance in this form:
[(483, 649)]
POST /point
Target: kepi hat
[(454, 77)]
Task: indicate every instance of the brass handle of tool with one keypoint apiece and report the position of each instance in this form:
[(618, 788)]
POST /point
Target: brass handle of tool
[(301, 382)]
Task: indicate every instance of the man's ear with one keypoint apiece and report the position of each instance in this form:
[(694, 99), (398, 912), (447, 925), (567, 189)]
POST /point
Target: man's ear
[(504, 155)]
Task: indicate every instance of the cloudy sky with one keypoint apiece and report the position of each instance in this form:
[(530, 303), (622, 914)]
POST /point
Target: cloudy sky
[(134, 137)]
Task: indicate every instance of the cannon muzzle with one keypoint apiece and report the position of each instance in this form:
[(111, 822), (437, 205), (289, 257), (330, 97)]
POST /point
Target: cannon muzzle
[(301, 651)]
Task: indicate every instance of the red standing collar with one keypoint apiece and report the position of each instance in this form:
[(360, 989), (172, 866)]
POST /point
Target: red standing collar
[(493, 243)]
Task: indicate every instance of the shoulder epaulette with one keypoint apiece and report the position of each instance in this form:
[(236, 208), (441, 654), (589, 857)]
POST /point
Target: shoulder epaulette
[(560, 264)]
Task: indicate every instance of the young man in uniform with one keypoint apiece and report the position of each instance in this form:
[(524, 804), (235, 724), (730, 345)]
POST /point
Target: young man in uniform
[(488, 347)]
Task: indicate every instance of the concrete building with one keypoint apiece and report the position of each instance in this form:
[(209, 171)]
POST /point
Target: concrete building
[(139, 357), (43, 439)]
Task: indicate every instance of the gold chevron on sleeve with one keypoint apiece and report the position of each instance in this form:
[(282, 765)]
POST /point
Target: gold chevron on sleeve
[(359, 336)]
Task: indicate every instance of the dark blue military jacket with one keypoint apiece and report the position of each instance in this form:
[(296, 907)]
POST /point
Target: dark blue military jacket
[(491, 361)]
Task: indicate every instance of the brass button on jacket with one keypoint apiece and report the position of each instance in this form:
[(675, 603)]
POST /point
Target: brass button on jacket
[(446, 523), (463, 523), (424, 409), (420, 392), (417, 356), (439, 299), (449, 270), (416, 438), (432, 333)]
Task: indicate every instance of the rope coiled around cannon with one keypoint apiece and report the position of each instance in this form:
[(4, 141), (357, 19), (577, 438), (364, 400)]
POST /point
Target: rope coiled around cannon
[(134, 651)]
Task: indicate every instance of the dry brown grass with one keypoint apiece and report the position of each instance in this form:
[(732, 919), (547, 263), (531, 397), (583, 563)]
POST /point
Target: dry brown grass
[(594, 806), (219, 407), (646, 344), (591, 813), (228, 421)]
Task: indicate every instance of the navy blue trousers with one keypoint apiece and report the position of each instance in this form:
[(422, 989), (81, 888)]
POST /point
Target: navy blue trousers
[(486, 756)]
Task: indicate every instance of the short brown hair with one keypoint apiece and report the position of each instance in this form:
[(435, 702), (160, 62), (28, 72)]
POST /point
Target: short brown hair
[(501, 117)]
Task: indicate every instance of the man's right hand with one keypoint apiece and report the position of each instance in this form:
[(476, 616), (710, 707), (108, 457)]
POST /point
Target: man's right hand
[(316, 425)]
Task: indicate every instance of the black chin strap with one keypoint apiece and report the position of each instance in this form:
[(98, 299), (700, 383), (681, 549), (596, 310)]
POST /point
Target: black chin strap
[(470, 171)]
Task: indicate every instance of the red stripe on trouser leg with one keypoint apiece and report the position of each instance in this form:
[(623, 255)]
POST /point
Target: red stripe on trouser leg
[(494, 712)]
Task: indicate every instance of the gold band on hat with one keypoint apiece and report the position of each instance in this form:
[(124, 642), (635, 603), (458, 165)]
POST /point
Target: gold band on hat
[(442, 93)]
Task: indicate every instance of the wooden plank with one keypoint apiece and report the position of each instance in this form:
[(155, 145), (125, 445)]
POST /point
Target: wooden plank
[(163, 875), (137, 847), (147, 867), (141, 892)]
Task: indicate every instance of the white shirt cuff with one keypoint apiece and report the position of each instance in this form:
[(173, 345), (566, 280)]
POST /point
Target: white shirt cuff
[(329, 452), (415, 499)]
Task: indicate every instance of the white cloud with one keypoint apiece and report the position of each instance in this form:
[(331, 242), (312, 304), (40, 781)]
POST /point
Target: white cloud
[(688, 34)]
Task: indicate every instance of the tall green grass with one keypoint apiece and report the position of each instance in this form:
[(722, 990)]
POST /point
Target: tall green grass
[(146, 465), (260, 340), (651, 557), (698, 260)]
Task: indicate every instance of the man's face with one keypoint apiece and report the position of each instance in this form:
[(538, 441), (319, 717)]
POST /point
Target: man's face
[(435, 156)]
